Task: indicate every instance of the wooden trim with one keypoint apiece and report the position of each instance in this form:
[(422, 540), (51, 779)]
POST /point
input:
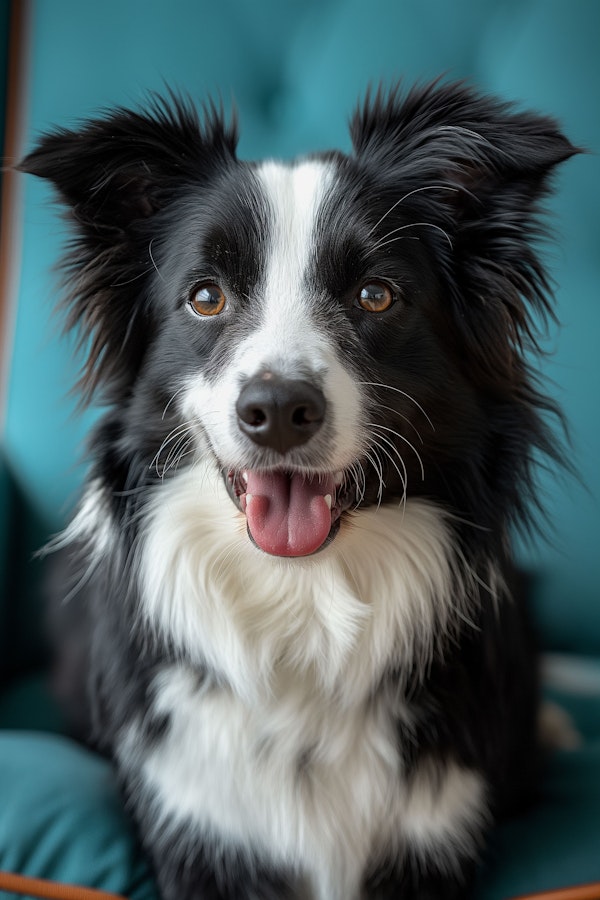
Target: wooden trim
[(50, 890), (10, 210), (582, 892)]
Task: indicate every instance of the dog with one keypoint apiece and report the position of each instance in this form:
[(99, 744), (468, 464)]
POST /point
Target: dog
[(305, 651)]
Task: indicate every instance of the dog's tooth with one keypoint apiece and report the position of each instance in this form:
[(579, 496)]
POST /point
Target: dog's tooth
[(245, 477), (327, 499), (338, 478)]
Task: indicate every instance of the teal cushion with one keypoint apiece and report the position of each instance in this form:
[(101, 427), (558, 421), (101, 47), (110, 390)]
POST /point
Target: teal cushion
[(557, 844), (61, 817)]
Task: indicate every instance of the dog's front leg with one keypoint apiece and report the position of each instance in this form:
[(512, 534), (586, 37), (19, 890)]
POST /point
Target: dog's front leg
[(204, 872)]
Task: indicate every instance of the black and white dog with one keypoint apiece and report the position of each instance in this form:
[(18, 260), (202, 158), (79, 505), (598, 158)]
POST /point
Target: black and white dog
[(305, 655)]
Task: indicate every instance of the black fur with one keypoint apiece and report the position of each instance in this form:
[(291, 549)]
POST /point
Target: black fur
[(159, 201)]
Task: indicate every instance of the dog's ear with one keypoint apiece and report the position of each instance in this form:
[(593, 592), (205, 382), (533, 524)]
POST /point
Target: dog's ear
[(125, 166), (115, 175), (450, 129), (476, 170)]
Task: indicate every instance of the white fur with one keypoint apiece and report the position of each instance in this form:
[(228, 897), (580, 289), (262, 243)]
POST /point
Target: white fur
[(92, 525), (343, 615), (286, 751), (287, 341), (92, 528), (314, 787)]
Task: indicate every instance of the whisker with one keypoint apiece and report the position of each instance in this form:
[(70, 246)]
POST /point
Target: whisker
[(178, 452), (183, 438), (158, 272), (175, 435), (401, 416), (427, 187), (117, 284), (358, 473), (178, 391), (403, 476), (384, 242), (405, 440), (376, 463), (389, 387)]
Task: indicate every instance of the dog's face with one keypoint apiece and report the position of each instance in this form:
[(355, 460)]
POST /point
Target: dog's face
[(338, 331), (267, 383), (294, 340)]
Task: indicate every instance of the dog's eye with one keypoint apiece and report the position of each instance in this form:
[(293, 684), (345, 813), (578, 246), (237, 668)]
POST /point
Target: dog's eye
[(375, 297), (207, 299)]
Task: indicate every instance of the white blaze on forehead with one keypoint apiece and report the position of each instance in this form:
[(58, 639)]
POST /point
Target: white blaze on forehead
[(295, 197)]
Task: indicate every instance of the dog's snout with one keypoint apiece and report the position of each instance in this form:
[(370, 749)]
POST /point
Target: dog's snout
[(280, 413)]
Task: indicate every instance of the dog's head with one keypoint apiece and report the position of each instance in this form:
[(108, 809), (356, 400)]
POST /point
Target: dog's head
[(337, 331)]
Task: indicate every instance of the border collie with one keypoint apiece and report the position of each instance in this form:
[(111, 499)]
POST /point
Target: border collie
[(306, 656)]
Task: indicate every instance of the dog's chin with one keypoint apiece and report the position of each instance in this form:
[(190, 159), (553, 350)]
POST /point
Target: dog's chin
[(290, 513)]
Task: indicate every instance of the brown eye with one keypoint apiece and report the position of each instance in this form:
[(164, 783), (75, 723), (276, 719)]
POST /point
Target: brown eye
[(207, 299), (375, 297)]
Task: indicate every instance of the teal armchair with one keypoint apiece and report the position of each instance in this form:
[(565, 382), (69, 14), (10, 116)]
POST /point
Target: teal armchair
[(296, 70)]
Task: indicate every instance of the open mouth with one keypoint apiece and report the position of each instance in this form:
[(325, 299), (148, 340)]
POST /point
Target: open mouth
[(290, 513)]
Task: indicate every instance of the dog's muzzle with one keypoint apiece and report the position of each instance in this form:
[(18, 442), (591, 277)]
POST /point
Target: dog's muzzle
[(280, 413), (289, 513)]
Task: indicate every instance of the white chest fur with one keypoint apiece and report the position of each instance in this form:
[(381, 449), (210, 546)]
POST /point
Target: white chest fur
[(285, 751), (308, 785), (316, 788), (381, 593)]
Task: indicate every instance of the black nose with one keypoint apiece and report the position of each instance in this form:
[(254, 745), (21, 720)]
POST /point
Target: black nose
[(280, 413)]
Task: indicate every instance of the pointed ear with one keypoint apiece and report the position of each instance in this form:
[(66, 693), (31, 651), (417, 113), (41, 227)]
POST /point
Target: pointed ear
[(113, 175), (477, 170), (447, 130), (125, 166)]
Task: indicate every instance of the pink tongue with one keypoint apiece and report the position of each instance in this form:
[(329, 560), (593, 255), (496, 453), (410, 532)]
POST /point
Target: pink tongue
[(287, 514)]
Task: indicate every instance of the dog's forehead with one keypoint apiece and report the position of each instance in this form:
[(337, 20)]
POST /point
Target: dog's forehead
[(295, 191), (295, 195), (285, 295)]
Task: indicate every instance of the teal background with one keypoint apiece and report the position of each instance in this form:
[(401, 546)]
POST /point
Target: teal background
[(295, 69)]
